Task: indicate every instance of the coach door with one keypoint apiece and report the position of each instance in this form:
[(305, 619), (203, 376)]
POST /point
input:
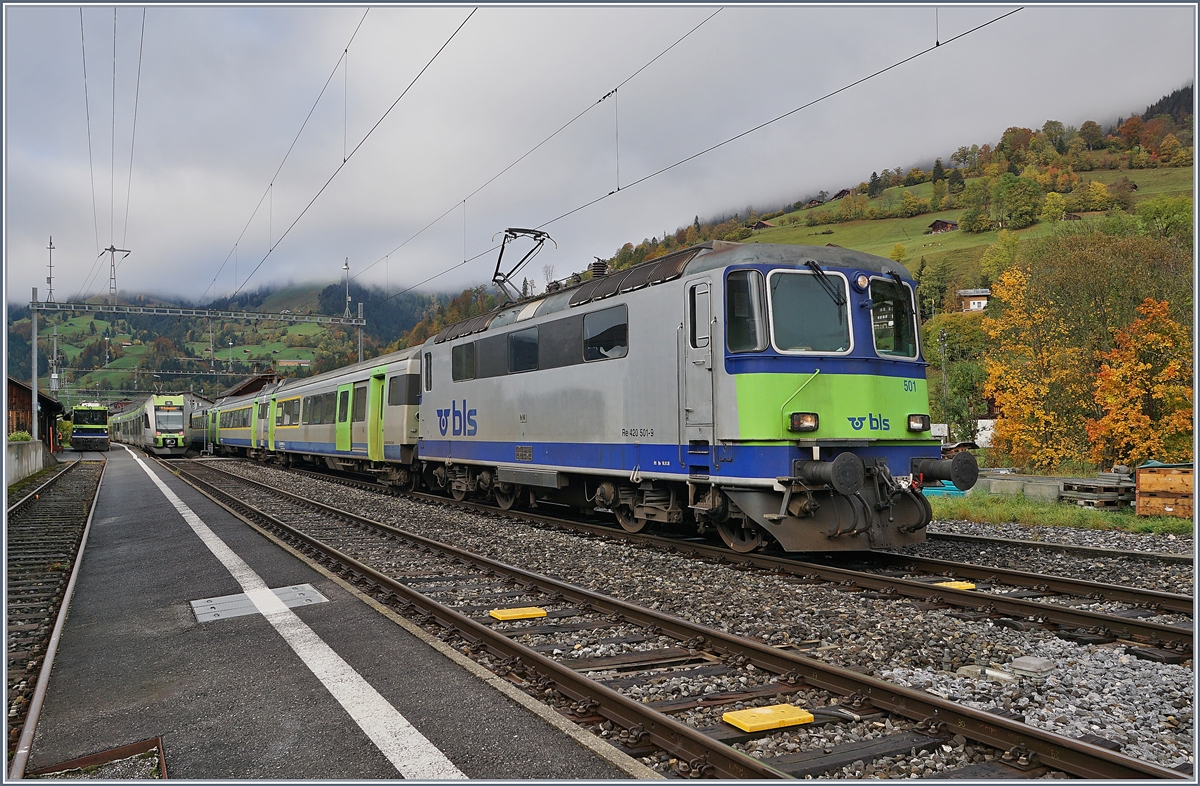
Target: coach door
[(697, 376), (375, 414), (358, 417), (262, 420), (343, 417)]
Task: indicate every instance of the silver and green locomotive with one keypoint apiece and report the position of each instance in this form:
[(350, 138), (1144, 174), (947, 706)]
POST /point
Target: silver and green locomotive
[(772, 394)]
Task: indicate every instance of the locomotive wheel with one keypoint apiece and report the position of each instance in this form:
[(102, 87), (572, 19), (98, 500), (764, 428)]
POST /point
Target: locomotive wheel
[(741, 538), (507, 500), (458, 494), (628, 521)]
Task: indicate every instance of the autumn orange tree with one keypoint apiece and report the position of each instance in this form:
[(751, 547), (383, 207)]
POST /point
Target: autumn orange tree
[(1033, 374), (1144, 389)]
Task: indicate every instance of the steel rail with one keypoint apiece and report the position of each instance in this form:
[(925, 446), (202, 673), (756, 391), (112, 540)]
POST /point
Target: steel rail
[(37, 491), (1131, 629), (25, 742), (1168, 601), (664, 731), (1070, 755), (1066, 548)]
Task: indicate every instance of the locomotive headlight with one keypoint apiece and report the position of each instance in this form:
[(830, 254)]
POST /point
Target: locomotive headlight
[(918, 423), (804, 421), (862, 281)]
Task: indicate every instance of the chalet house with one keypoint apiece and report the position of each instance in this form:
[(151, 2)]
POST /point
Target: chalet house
[(814, 203), (942, 225), (760, 224), (845, 192), (20, 412), (973, 299)]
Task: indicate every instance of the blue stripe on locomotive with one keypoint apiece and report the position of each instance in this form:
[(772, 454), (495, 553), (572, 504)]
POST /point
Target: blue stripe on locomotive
[(747, 461)]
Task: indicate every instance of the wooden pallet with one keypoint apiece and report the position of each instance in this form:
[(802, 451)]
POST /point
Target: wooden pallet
[(1105, 504)]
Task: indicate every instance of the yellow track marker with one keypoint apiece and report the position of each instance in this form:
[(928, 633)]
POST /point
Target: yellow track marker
[(962, 585), (529, 612), (774, 717)]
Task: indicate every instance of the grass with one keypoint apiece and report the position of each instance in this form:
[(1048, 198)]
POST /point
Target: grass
[(1002, 509), (1151, 183)]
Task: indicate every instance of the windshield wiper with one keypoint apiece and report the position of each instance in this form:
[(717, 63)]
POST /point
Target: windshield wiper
[(823, 279), (904, 304)]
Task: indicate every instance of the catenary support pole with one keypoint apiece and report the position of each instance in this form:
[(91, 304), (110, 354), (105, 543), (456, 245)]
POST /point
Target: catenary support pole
[(33, 427), (360, 316)]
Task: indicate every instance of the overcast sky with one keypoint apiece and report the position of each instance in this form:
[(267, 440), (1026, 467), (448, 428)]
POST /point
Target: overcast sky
[(224, 91)]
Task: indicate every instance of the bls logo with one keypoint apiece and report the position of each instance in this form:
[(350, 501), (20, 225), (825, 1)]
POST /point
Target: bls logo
[(461, 422), (875, 422)]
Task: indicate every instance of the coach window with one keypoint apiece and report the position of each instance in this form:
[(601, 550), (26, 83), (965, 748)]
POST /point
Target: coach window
[(344, 407), (428, 371), (606, 334), (360, 403), (462, 361), (523, 350), (745, 312), (701, 315)]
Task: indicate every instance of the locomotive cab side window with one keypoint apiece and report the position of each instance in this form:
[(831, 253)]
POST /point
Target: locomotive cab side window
[(745, 312), (606, 334), (700, 315), (523, 350), (462, 361), (808, 312), (893, 319)]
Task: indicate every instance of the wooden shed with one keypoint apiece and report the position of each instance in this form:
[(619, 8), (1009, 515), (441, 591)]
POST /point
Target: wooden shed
[(20, 412), (942, 225)]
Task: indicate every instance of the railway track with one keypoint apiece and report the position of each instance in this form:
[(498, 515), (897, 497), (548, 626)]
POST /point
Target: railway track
[(608, 676), (1013, 598), (46, 533), (1062, 548)]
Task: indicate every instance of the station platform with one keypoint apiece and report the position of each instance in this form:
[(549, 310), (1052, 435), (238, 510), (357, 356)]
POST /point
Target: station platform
[(327, 690)]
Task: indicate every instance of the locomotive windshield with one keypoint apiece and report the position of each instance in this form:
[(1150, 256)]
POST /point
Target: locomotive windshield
[(804, 317), (90, 417), (168, 418), (893, 318)]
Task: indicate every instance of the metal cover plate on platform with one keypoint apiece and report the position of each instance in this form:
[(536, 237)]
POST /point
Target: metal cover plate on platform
[(240, 605)]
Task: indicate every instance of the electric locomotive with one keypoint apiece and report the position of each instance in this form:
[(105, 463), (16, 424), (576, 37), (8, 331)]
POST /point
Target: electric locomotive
[(774, 394), (89, 426)]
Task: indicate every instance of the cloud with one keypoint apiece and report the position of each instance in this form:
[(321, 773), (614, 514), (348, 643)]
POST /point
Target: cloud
[(224, 91)]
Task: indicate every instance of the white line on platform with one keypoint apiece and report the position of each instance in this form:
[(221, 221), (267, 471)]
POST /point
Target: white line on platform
[(412, 754)]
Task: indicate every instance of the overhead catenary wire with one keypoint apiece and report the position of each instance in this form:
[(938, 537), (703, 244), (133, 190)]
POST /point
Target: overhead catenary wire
[(694, 156), (355, 149), (533, 149), (279, 169), (91, 165), (112, 153), (133, 135), (787, 114)]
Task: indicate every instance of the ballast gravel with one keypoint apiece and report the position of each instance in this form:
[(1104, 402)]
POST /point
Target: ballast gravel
[(1097, 689)]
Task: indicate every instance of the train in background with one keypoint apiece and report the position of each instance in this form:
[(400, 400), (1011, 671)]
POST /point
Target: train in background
[(89, 426), (772, 394), (157, 423)]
